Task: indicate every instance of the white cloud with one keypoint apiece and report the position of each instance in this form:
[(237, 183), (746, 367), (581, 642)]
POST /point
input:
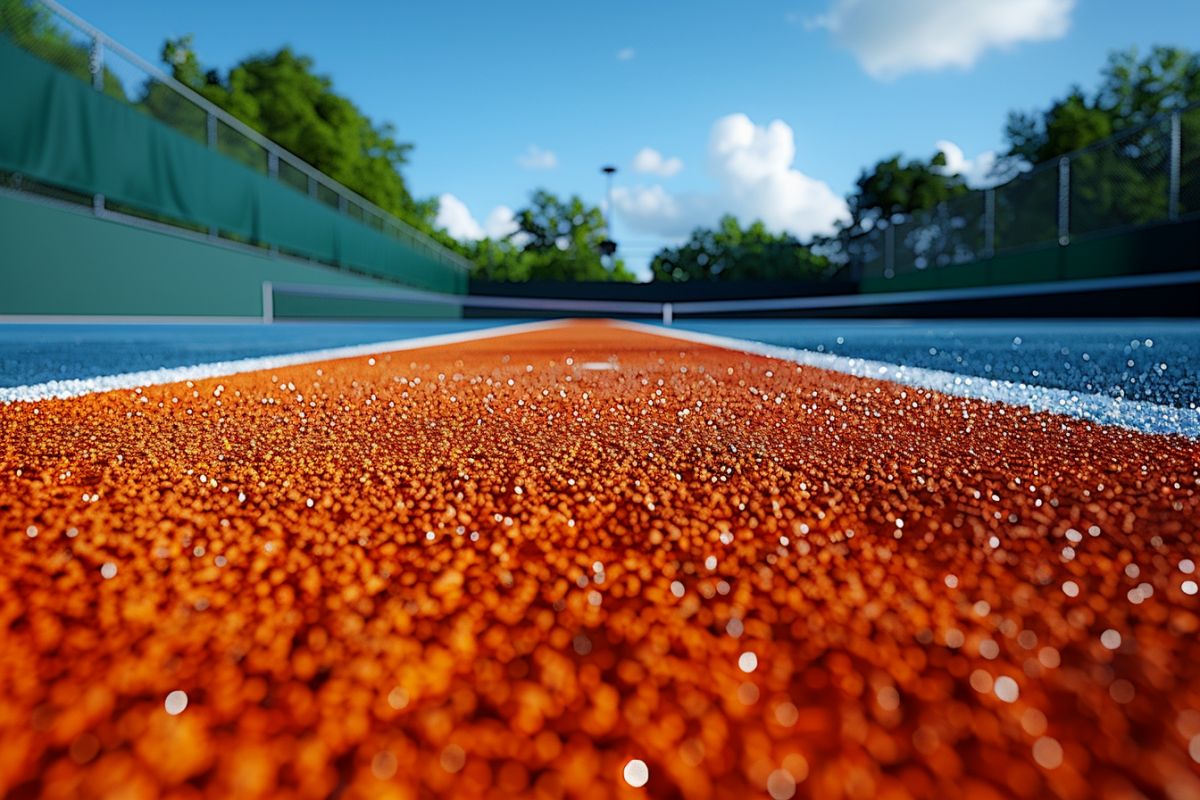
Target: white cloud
[(455, 218), (626, 54), (537, 158), (977, 171), (654, 210), (651, 162), (500, 222), (753, 167), (890, 38)]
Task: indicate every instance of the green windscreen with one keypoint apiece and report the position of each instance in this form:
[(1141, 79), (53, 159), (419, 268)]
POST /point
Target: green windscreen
[(56, 129)]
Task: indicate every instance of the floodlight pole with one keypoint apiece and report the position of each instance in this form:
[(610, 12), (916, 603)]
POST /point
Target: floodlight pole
[(608, 247), (609, 170)]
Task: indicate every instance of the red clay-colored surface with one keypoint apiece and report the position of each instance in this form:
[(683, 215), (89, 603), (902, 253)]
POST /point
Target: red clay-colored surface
[(494, 570)]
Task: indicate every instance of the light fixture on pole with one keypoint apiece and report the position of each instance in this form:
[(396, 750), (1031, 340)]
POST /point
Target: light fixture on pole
[(608, 247)]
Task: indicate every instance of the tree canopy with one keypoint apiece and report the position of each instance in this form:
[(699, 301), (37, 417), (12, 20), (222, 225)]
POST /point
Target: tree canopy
[(1133, 90), (555, 240), (730, 252), (895, 187), (281, 96)]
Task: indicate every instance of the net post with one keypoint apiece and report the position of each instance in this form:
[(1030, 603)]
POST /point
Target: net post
[(268, 303), (668, 314), (1176, 152), (1064, 201)]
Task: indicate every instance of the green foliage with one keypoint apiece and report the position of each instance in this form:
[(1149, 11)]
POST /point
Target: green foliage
[(732, 253), (1136, 90), (894, 188), (281, 96), (1068, 124), (556, 240), (1133, 90)]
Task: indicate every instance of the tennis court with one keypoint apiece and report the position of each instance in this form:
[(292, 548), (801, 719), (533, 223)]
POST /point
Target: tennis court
[(600, 559)]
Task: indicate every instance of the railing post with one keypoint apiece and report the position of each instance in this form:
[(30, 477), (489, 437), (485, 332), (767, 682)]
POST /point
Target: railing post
[(210, 127), (312, 187), (96, 63), (1064, 201), (273, 164), (989, 222), (1176, 153), (97, 204), (668, 314)]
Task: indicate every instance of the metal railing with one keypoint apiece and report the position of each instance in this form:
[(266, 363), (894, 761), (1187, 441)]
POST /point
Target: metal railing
[(1139, 176), (113, 68)]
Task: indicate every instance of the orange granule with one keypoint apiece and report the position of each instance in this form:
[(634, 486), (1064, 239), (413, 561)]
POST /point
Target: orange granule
[(517, 566)]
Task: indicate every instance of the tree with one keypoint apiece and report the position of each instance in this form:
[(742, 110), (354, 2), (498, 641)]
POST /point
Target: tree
[(282, 97), (732, 253), (1068, 124), (1123, 181), (555, 240), (892, 188), (1133, 90)]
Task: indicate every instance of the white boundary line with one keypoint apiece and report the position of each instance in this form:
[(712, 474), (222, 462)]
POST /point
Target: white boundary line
[(1137, 415), (219, 369)]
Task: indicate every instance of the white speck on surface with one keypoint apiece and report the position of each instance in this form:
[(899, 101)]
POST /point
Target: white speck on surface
[(176, 702), (1006, 689), (636, 773)]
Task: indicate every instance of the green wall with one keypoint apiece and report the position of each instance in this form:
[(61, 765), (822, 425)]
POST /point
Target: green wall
[(63, 261)]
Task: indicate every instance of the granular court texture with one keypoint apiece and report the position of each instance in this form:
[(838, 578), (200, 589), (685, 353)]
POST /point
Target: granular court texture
[(590, 562)]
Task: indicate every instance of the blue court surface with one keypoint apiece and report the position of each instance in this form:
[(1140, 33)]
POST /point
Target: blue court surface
[(1154, 361)]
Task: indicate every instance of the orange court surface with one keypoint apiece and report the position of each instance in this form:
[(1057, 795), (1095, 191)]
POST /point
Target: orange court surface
[(589, 562)]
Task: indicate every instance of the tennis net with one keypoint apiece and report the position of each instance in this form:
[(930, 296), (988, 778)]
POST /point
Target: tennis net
[(285, 301)]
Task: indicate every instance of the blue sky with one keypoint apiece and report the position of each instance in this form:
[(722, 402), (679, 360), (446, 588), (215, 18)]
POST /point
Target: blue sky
[(480, 87)]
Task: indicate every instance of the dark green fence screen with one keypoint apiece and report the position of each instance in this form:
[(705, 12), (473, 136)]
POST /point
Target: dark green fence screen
[(56, 129)]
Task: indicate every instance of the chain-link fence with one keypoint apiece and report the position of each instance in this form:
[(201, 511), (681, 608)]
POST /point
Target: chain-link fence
[(945, 236), (1142, 176), (53, 34)]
